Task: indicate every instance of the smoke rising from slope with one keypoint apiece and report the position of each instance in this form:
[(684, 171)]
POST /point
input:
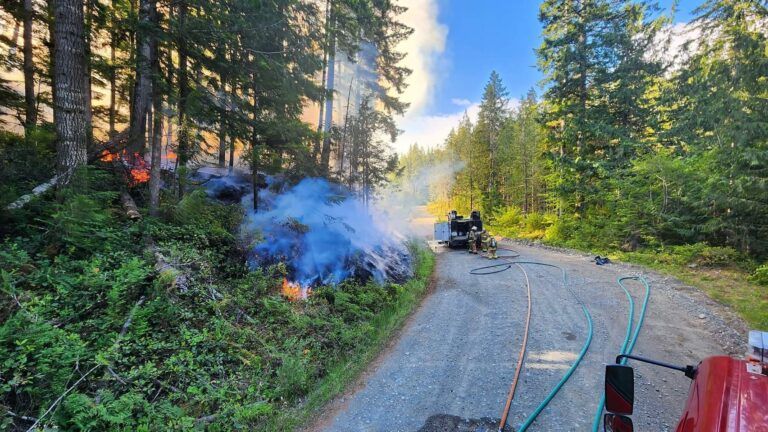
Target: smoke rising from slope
[(326, 235), (405, 199)]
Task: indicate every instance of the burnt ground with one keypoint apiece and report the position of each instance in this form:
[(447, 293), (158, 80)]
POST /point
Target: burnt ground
[(451, 366)]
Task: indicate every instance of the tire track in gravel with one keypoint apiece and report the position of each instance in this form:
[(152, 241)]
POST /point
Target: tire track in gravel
[(452, 365)]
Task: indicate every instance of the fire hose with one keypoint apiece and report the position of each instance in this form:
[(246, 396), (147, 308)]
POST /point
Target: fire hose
[(630, 339), (498, 268)]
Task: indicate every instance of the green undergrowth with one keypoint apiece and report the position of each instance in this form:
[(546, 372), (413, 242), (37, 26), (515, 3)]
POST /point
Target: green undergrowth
[(380, 329), (724, 274), (200, 343), (25, 162)]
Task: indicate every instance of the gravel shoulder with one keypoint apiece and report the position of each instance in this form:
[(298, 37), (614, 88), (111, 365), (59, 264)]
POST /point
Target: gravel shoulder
[(451, 366)]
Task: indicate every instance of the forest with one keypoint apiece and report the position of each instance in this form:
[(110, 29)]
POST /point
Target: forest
[(131, 298), (627, 148)]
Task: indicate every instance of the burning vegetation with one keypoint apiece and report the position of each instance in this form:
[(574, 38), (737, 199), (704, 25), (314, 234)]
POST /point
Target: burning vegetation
[(294, 291), (325, 235), (321, 231), (136, 166)]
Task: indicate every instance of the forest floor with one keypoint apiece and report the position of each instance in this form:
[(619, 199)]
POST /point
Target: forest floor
[(452, 365)]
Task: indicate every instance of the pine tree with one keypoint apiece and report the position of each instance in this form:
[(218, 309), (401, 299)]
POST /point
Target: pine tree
[(598, 76), (71, 95), (485, 138), (521, 168), (722, 120)]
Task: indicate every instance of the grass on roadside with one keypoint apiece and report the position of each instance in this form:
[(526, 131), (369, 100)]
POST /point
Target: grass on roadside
[(729, 285), (382, 328), (724, 274)]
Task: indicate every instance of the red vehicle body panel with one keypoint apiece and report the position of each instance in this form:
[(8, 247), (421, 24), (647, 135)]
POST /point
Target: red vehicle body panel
[(725, 397)]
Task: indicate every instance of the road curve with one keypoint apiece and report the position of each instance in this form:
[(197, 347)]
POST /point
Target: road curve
[(451, 367)]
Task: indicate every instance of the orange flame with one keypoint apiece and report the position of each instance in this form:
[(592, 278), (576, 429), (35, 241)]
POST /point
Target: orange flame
[(139, 168), (139, 175), (106, 156), (293, 291)]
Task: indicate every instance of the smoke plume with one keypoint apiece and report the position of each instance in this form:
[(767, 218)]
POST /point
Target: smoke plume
[(320, 230)]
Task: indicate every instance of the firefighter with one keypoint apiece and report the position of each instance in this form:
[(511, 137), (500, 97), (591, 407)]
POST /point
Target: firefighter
[(492, 246), (484, 237), (472, 240)]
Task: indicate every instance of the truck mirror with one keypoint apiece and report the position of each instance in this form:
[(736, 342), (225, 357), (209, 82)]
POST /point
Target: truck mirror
[(619, 389), (617, 423)]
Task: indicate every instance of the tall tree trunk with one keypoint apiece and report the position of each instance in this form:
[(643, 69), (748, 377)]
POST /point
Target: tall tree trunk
[(112, 71), (88, 26), (255, 146), (222, 149), (142, 94), (183, 132), (524, 157), (231, 154), (321, 102), (325, 153), (71, 93), (582, 68), (156, 157), (223, 128), (255, 162), (342, 144), (30, 117)]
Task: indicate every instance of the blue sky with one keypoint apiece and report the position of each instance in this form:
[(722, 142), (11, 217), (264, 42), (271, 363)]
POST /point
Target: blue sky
[(468, 40)]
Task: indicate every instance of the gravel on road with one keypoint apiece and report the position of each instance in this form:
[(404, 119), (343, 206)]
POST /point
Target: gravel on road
[(452, 364)]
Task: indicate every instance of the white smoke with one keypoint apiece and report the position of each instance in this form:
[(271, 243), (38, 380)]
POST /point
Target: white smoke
[(404, 202), (423, 50)]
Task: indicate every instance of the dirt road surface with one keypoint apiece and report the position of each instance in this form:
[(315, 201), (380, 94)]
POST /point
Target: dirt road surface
[(451, 367)]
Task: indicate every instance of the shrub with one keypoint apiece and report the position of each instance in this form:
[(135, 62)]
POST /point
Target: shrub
[(508, 223), (25, 163), (512, 216), (718, 256), (760, 276), (704, 255)]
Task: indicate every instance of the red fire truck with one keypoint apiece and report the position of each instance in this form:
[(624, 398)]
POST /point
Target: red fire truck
[(727, 394)]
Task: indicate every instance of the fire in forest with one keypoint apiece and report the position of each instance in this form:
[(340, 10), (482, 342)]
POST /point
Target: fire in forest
[(294, 291), (320, 230), (136, 166)]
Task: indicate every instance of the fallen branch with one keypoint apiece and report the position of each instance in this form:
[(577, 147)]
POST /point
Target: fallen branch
[(115, 145), (116, 376), (165, 270), (22, 417), (66, 392), (39, 190), (128, 321), (129, 205)]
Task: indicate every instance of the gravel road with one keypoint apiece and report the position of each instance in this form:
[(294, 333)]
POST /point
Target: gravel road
[(452, 364)]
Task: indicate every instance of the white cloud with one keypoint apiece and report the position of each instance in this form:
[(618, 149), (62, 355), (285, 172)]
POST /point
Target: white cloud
[(423, 50), (430, 131), (674, 44), (461, 102)]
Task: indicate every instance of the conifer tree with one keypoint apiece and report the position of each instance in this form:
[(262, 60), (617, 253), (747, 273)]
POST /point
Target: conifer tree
[(485, 138), (721, 117)]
